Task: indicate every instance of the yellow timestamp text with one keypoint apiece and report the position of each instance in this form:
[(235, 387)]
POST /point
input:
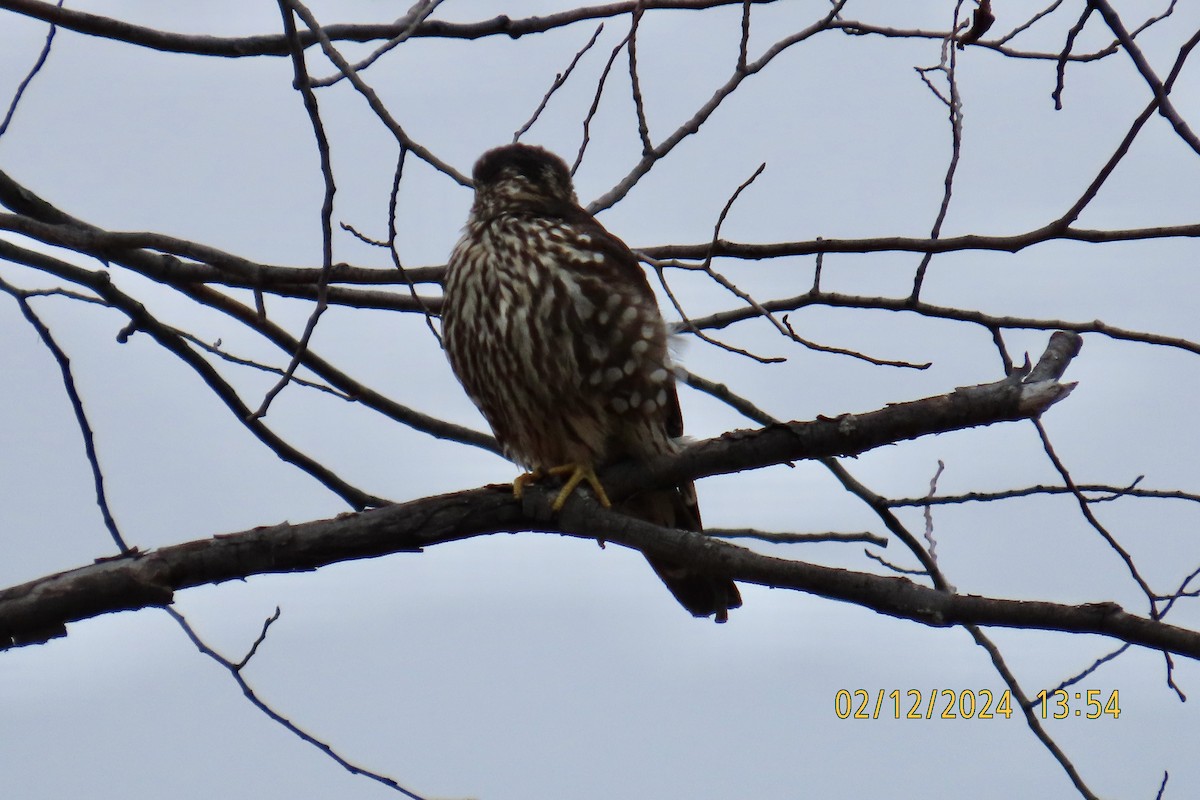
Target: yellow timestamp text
[(1087, 704), (922, 704)]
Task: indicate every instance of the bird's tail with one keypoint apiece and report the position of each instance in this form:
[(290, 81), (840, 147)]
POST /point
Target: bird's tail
[(701, 593)]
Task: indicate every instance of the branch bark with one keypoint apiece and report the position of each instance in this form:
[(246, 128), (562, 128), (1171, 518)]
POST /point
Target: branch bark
[(276, 44)]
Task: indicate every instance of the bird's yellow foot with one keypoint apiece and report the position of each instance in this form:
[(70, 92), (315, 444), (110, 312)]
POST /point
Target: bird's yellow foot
[(524, 479), (579, 473)]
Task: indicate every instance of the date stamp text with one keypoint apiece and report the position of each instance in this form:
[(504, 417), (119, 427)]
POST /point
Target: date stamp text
[(971, 704)]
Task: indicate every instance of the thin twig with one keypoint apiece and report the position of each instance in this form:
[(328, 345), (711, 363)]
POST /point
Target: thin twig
[(1085, 509), (81, 418), (1109, 494), (663, 148), (1074, 679), (948, 67), (559, 79), (726, 395), (782, 326), (1126, 143), (225, 355), (34, 70), (372, 98), (262, 637), (899, 570), (635, 84), (1006, 361), (685, 325), (1165, 107), (1061, 70), (235, 671), (394, 252), (842, 351), (744, 39), (314, 115), (411, 22), (724, 319), (141, 320), (1029, 23), (795, 538), (928, 510), (1182, 591), (1031, 719), (818, 266), (601, 82), (1170, 665)]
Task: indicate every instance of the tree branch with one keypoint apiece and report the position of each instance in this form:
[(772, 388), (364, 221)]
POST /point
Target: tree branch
[(276, 45), (40, 609)]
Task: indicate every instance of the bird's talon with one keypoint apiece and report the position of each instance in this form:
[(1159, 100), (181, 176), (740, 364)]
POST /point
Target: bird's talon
[(579, 473), (523, 480)]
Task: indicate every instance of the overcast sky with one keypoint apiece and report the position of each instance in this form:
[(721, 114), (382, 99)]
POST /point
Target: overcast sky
[(534, 666)]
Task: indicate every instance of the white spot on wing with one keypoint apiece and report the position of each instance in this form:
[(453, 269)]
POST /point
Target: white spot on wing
[(583, 306)]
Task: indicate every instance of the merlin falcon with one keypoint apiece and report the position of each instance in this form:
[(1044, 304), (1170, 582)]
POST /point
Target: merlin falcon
[(553, 330)]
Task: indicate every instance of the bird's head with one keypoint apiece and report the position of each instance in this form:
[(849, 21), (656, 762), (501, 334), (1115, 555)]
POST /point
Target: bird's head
[(521, 177)]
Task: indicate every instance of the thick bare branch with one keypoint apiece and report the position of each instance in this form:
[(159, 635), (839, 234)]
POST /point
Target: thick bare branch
[(276, 44), (40, 609)]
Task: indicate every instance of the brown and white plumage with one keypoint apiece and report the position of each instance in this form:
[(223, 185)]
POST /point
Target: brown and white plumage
[(552, 328)]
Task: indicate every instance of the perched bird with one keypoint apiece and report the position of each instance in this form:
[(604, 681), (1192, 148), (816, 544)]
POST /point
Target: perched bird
[(553, 330)]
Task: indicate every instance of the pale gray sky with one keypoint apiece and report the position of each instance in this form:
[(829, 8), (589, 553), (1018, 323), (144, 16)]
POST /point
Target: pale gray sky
[(534, 666)]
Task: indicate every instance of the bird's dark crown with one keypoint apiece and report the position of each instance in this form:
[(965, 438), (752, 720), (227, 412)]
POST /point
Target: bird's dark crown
[(521, 173)]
